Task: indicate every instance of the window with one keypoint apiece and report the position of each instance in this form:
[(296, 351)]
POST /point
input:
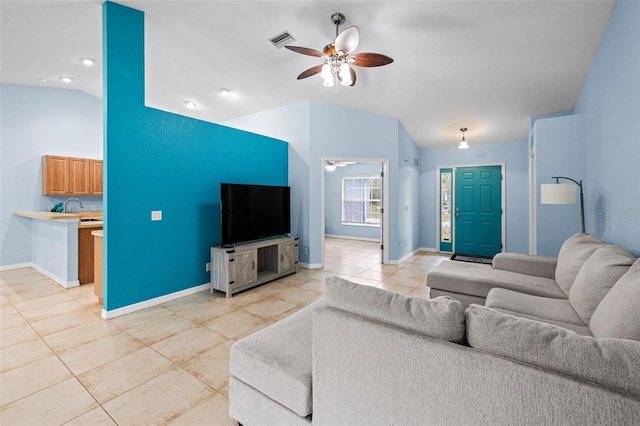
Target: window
[(361, 204), (445, 206)]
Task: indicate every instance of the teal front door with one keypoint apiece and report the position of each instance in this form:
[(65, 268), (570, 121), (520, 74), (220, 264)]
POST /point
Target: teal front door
[(478, 210)]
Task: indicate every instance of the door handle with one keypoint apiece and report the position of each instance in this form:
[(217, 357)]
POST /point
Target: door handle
[(457, 215)]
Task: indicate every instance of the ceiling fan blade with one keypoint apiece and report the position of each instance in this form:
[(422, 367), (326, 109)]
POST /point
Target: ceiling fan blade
[(311, 71), (305, 51), (348, 40), (371, 59)]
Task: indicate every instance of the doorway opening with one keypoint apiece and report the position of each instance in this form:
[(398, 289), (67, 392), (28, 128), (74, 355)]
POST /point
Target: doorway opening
[(354, 205)]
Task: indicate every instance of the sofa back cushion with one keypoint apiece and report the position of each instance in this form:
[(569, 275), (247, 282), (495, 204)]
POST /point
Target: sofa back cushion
[(618, 315), (613, 363), (596, 277), (573, 253), (442, 317)]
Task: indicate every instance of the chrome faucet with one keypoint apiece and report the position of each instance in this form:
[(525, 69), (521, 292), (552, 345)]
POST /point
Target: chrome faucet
[(64, 206)]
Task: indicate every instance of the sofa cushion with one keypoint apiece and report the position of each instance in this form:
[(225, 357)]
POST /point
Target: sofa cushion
[(537, 266), (613, 363), (573, 253), (442, 317), (618, 315), (277, 360), (582, 330), (596, 277), (556, 310), (476, 280)]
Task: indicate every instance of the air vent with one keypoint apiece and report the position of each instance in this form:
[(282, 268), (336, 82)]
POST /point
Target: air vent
[(282, 39)]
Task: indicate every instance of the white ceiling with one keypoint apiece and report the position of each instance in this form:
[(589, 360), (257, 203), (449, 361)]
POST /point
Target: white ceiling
[(484, 65)]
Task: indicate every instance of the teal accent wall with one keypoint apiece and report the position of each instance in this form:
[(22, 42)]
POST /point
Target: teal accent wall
[(155, 160)]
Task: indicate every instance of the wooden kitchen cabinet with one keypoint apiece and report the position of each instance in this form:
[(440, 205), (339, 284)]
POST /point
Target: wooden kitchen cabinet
[(78, 176), (71, 176), (98, 286), (86, 254), (95, 178), (55, 175)]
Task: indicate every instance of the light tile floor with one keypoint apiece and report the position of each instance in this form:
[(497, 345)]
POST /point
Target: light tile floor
[(61, 363)]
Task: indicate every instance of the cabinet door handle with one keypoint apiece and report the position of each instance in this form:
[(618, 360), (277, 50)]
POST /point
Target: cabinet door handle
[(281, 257), (253, 265)]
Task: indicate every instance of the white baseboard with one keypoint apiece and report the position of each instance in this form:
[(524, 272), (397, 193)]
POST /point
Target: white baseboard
[(429, 249), (310, 265), (51, 276), (57, 279), (16, 266), (345, 237), (405, 257), (155, 301)]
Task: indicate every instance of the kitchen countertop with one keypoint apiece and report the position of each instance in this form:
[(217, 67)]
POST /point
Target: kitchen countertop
[(99, 233), (59, 216)]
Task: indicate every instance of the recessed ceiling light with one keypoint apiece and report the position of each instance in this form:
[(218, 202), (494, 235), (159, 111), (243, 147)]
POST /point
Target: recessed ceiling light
[(190, 104), (87, 61), (66, 79), (225, 92)]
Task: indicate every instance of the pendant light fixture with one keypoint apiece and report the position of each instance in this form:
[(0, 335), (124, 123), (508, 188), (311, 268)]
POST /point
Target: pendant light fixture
[(463, 142)]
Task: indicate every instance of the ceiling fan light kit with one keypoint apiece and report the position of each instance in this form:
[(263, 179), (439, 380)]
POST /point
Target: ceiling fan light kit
[(338, 57)]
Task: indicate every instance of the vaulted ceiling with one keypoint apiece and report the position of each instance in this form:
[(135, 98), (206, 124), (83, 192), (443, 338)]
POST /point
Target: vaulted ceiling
[(484, 65)]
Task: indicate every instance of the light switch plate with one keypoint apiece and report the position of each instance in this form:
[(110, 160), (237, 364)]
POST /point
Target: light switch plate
[(156, 215)]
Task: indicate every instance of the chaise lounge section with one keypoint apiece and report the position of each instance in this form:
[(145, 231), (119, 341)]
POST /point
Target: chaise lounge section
[(366, 356), (536, 275)]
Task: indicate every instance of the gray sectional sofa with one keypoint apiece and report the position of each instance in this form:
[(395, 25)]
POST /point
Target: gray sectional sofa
[(365, 356)]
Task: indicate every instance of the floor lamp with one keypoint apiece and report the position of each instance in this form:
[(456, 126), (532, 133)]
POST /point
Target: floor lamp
[(562, 193)]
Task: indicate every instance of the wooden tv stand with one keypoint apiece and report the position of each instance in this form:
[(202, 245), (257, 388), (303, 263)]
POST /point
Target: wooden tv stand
[(250, 264)]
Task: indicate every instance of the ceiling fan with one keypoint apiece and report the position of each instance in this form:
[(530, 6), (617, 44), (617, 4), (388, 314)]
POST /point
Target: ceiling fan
[(338, 56), (331, 165)]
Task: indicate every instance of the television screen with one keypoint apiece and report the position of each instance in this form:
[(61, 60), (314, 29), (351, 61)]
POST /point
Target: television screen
[(251, 212)]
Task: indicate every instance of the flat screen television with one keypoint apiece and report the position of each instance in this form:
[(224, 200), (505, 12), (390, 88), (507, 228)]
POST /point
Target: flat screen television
[(252, 212)]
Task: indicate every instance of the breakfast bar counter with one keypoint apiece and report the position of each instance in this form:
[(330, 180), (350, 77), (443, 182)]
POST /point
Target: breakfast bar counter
[(54, 242)]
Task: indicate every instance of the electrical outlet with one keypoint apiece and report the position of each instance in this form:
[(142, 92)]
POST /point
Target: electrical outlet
[(156, 215), (93, 207), (305, 250), (207, 267)]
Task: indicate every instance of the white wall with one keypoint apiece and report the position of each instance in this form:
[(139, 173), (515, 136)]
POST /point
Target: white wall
[(289, 123), (513, 154), (352, 134), (37, 121), (610, 100)]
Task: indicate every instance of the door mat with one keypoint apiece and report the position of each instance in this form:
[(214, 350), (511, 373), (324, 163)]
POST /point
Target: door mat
[(473, 259)]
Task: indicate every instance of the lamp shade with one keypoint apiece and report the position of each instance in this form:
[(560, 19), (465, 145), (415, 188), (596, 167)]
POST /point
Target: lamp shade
[(557, 193)]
